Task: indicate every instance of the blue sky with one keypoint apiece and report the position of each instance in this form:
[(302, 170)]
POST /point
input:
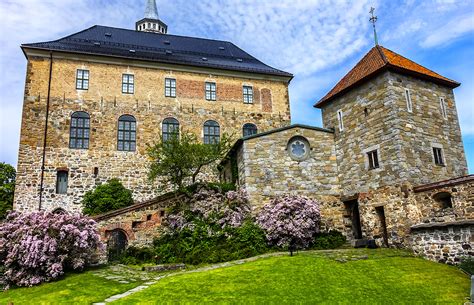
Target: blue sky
[(318, 41)]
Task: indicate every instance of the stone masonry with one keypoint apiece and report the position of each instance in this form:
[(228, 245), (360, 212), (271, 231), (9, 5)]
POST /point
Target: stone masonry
[(105, 103)]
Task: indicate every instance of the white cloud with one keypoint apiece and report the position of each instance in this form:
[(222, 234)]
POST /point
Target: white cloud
[(450, 31)]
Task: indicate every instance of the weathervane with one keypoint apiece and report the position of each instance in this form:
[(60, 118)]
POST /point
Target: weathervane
[(373, 19)]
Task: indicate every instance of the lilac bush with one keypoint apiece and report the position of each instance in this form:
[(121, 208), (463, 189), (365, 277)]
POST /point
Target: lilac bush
[(38, 247), (290, 221)]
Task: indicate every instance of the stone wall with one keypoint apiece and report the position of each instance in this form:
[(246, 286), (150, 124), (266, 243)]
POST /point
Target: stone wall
[(105, 104), (444, 243), (375, 116)]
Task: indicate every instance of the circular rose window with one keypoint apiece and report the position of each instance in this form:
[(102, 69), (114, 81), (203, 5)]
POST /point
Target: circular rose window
[(298, 148)]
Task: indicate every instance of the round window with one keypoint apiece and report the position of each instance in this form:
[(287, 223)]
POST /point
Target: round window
[(298, 148)]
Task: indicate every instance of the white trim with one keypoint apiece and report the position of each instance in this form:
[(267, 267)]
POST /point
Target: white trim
[(340, 119), (408, 99)]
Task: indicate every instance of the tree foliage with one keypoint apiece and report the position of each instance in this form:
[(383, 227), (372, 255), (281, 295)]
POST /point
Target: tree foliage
[(38, 247), (290, 221), (179, 159), (107, 197), (7, 188)]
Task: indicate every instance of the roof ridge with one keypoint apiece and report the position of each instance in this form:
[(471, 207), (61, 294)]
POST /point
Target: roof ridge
[(380, 49), (57, 40)]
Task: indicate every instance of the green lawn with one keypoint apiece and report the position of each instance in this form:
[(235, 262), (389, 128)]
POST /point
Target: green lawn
[(83, 288), (387, 277)]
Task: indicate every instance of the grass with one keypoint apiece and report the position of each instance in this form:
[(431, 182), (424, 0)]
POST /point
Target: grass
[(80, 288), (356, 276), (387, 276)]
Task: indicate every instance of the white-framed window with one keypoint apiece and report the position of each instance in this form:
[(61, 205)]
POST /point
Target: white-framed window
[(340, 119), (438, 156), (442, 105), (170, 87), (248, 94), (82, 79), (210, 91), (408, 99), (128, 83)]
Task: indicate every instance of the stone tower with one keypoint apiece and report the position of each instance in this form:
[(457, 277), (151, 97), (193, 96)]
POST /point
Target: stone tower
[(151, 22)]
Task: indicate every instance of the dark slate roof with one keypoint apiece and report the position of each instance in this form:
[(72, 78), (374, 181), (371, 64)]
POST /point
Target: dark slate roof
[(163, 48)]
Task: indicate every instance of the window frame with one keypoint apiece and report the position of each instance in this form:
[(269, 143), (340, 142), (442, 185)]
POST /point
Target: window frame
[(77, 128), (207, 137), (340, 120), (408, 100), (131, 132), (373, 159), (82, 80), (249, 126), (170, 91), (211, 93), (444, 110), (247, 94), (438, 156), (165, 133), (128, 87), (62, 190)]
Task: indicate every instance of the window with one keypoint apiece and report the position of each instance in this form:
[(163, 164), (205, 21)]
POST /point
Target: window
[(82, 79), (444, 199), (373, 159), (438, 156), (210, 91), (248, 94), (128, 83), (340, 119), (170, 87), (211, 132), (79, 130), (249, 129), (442, 105), (408, 99), (61, 182), (170, 128), (298, 148), (127, 133)]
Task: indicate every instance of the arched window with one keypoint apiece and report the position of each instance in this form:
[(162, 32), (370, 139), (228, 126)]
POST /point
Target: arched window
[(80, 130), (212, 132), (59, 211), (249, 129), (61, 181), (444, 199), (127, 133), (170, 128)]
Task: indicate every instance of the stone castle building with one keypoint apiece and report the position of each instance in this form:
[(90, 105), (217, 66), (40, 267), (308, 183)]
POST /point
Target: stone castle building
[(387, 165)]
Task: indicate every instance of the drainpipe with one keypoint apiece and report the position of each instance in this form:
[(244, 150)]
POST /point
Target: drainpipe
[(45, 129)]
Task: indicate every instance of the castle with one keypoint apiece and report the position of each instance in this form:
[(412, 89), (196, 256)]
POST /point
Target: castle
[(95, 99)]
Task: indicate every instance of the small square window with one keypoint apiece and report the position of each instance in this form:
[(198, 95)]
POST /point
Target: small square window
[(82, 79), (170, 87), (128, 84), (373, 159), (210, 91), (248, 94), (438, 156)]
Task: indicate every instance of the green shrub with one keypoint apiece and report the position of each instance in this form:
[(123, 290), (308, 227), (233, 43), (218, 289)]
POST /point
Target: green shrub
[(467, 264), (328, 240), (7, 188), (107, 197), (138, 255)]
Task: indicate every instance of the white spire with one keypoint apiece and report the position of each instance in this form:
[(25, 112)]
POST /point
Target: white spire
[(151, 12)]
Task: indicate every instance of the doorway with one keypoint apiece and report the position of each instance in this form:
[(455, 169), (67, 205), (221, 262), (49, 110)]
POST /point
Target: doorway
[(383, 224), (116, 244), (352, 210)]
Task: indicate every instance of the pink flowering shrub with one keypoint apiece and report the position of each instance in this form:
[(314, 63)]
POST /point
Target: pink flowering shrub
[(38, 247), (290, 221)]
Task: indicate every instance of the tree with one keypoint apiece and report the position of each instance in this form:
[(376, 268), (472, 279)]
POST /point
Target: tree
[(290, 221), (179, 159), (107, 197), (7, 188)]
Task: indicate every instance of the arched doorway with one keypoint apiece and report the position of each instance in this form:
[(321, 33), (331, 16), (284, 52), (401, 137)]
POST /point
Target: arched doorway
[(116, 244)]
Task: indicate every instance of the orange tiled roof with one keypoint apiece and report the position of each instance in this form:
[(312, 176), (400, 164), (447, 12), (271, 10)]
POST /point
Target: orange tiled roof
[(380, 59)]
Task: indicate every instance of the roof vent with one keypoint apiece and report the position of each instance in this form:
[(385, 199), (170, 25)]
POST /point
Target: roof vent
[(221, 48), (169, 52), (97, 44), (132, 51), (204, 59), (240, 60), (167, 42), (108, 34)]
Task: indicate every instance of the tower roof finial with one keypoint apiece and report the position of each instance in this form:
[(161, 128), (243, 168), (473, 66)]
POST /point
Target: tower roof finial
[(151, 12), (373, 19)]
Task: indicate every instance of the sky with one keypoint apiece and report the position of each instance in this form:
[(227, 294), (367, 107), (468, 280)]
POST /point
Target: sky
[(317, 41)]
